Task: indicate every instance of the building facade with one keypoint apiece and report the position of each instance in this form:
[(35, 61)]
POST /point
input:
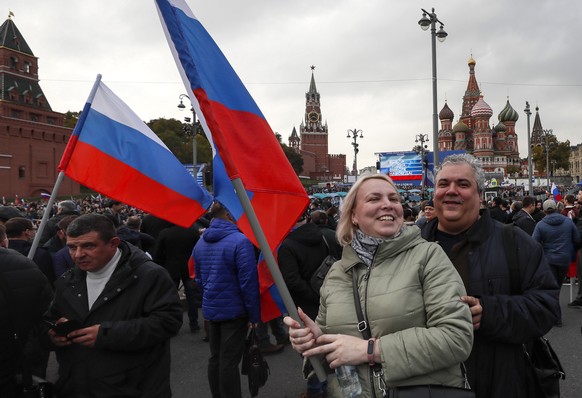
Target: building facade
[(312, 141), (32, 136), (496, 146)]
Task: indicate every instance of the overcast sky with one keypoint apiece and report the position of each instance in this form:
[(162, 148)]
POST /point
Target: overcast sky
[(373, 62)]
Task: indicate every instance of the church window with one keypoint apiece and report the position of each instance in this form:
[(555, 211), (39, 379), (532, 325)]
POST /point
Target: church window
[(26, 67)]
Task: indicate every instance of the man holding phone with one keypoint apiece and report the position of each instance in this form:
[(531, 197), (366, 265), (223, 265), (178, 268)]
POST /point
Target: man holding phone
[(115, 313)]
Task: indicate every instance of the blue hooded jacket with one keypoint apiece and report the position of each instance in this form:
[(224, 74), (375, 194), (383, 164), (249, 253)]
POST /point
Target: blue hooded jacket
[(559, 237), (226, 270)]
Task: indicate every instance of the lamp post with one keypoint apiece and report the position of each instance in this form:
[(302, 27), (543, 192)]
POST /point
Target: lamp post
[(355, 144), (181, 106), (430, 19), (553, 162), (547, 134), (529, 160), (420, 148)]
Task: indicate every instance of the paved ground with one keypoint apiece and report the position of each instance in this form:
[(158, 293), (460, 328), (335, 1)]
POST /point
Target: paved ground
[(190, 355)]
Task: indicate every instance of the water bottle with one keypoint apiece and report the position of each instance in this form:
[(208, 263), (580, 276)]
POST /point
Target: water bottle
[(347, 377)]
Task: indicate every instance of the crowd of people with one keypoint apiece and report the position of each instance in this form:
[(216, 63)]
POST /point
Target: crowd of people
[(420, 295)]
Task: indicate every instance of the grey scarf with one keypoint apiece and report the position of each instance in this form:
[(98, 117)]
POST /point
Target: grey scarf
[(366, 245)]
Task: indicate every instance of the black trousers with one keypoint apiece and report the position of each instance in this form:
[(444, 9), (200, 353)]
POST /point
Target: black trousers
[(227, 344)]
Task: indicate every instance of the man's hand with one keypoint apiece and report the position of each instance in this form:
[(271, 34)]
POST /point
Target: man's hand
[(85, 336), (476, 310)]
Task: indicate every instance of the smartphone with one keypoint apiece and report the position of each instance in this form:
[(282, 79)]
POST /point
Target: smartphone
[(64, 328)]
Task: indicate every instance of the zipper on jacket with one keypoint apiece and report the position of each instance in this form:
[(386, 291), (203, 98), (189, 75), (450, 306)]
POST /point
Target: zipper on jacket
[(371, 372)]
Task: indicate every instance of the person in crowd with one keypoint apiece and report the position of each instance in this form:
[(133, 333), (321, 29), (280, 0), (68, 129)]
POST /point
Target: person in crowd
[(409, 289), (153, 225), (226, 268), (538, 213), (514, 208), (25, 294), (130, 232), (474, 242), (64, 208), (21, 232), (332, 217), (62, 261), (559, 238), (8, 212), (427, 213), (172, 251), (299, 256), (123, 310), (523, 218), (498, 210), (570, 209), (577, 302), (116, 209)]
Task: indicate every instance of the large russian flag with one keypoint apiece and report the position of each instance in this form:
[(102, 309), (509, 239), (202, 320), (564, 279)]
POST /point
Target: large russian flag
[(244, 146), (556, 193), (115, 153)]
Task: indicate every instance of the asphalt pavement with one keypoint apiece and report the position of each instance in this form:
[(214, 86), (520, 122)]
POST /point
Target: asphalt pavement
[(190, 356)]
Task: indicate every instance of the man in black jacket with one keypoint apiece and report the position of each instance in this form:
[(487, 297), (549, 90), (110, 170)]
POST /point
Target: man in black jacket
[(577, 302), (123, 308), (25, 294), (299, 256), (523, 218), (502, 321)]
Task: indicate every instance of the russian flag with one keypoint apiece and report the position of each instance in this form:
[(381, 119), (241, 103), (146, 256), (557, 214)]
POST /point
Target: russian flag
[(244, 146), (272, 305), (113, 152), (556, 193)]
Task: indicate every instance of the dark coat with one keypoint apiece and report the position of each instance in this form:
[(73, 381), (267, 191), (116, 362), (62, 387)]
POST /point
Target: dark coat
[(139, 310), (299, 256), (496, 367), (498, 214), (523, 220), (226, 270), (41, 257), (51, 227), (173, 249), (31, 295), (153, 225)]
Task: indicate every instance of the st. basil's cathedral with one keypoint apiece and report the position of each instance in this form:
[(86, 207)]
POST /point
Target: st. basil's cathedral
[(496, 146)]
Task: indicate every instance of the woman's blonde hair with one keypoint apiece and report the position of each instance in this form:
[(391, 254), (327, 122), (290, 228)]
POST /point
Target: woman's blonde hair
[(345, 228)]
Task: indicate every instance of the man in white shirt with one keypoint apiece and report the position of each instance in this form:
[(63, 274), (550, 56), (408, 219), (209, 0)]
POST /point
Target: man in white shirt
[(123, 309)]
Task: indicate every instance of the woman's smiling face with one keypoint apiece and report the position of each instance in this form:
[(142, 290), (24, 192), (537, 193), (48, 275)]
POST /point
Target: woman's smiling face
[(377, 210)]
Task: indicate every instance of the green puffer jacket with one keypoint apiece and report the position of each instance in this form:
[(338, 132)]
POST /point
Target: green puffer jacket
[(411, 297)]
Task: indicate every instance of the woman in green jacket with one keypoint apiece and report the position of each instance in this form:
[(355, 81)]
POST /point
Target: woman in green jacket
[(410, 294)]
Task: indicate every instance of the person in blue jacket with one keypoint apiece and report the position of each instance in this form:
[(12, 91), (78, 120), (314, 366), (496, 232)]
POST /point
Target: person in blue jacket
[(226, 270)]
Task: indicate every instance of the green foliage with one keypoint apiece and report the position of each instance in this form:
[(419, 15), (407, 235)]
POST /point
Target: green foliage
[(559, 151), (176, 135), (71, 119)]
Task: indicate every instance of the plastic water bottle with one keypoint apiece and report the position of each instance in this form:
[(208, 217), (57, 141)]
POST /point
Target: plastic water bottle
[(347, 377)]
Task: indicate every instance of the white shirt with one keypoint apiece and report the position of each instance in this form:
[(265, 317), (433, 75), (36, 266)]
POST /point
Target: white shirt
[(97, 280)]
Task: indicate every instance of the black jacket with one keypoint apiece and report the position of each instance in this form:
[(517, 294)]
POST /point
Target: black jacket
[(31, 295), (174, 248), (41, 257), (139, 310), (299, 256), (496, 366), (524, 221)]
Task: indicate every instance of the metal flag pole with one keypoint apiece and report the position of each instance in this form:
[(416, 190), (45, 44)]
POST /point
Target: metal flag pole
[(273, 267)]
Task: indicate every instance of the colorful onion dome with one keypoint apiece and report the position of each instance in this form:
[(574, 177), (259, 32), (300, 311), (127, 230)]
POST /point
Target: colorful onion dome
[(508, 114), (500, 127), (460, 127), (481, 109), (446, 113), (471, 61)]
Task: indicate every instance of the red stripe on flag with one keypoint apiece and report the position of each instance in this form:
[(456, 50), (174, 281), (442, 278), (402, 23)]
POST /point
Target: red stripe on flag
[(109, 176), (412, 177)]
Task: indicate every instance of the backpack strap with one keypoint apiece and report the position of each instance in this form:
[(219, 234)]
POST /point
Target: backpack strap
[(510, 249)]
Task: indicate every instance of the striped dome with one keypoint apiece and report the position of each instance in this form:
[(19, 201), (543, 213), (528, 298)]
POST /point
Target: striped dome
[(481, 109), (500, 127), (508, 114)]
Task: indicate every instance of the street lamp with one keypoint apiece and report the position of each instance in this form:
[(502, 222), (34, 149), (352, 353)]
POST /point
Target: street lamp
[(553, 162), (355, 137), (420, 148), (529, 160), (181, 106), (547, 134), (430, 19)]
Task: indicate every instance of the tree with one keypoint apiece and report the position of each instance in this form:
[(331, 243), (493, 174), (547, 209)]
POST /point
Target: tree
[(293, 157), (71, 119), (558, 151), (177, 137)]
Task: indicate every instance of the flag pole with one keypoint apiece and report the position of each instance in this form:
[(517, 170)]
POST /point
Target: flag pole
[(62, 166), (272, 265), (45, 215)]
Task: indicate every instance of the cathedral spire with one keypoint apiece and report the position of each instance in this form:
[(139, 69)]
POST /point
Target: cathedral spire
[(312, 88)]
